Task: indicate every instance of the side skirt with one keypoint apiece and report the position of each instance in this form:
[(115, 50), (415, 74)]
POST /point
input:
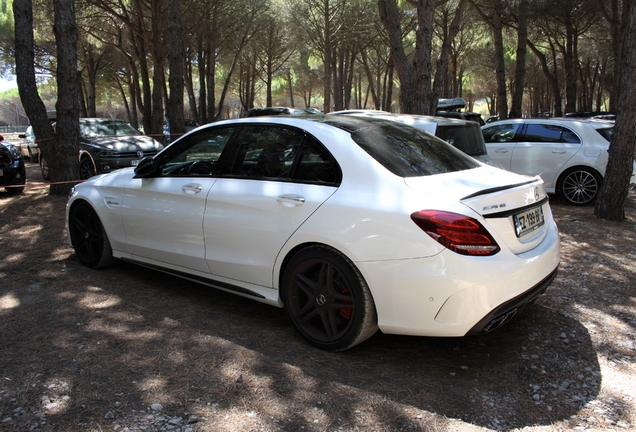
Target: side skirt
[(202, 280)]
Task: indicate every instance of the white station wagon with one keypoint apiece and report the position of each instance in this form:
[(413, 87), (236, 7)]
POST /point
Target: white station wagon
[(351, 224)]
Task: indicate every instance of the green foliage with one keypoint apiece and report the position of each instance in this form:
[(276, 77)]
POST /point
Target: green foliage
[(107, 49)]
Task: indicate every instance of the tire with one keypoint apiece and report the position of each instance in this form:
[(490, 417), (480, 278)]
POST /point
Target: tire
[(33, 157), (580, 186), (86, 168), (44, 169), (327, 299), (89, 238)]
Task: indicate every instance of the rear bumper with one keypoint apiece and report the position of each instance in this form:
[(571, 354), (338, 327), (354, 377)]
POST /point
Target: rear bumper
[(506, 311), (449, 295)]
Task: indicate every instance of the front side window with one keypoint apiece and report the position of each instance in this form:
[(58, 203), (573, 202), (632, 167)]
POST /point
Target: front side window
[(550, 133), (196, 155), (501, 132)]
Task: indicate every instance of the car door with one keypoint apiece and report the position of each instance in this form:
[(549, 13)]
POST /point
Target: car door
[(544, 148), (278, 178), (163, 215), (501, 139)]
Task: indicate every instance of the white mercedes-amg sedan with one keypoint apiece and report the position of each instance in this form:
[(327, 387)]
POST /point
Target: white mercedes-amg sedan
[(351, 224)]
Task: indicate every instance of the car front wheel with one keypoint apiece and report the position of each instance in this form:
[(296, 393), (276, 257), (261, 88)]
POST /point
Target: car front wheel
[(88, 237), (580, 186), (327, 299), (86, 168)]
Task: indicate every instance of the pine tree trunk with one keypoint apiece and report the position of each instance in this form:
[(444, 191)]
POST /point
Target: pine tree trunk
[(25, 75), (414, 72), (64, 166), (611, 201), (176, 80), (516, 107)]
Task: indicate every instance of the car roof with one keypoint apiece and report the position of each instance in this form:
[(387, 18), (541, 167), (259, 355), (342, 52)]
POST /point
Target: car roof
[(350, 124), (405, 118), (99, 119), (595, 123), (358, 111)]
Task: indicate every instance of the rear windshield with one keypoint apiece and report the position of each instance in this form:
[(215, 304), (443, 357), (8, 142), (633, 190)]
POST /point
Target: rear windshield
[(406, 151), (468, 138)]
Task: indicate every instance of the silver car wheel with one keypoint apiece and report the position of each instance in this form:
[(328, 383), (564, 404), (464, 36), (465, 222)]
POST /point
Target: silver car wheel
[(580, 186)]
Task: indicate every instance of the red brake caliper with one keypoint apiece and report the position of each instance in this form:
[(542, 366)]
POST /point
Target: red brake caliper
[(346, 312)]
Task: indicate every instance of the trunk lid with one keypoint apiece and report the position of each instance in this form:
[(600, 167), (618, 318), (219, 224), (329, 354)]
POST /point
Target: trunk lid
[(514, 208)]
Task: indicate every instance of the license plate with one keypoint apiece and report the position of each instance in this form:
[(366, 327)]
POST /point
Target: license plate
[(134, 162), (528, 221)]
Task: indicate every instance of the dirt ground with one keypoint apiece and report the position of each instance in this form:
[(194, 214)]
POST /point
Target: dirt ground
[(130, 349)]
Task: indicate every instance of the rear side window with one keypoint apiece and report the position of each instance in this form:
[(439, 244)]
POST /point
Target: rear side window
[(407, 152), (266, 152), (467, 138), (606, 133), (316, 165), (283, 153), (501, 132), (197, 154), (549, 133)]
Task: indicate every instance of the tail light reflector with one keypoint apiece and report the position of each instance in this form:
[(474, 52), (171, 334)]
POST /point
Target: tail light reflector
[(461, 234)]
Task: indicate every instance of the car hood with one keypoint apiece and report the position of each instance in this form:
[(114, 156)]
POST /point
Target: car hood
[(131, 143)]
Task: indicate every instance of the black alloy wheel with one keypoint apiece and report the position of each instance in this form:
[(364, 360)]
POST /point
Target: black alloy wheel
[(327, 299), (580, 186), (88, 237), (86, 168)]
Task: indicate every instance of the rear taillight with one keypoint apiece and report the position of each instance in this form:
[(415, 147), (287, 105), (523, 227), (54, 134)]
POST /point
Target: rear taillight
[(461, 234)]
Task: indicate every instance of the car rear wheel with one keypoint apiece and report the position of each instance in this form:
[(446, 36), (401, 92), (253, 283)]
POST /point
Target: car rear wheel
[(44, 169), (580, 186), (327, 299), (89, 238), (86, 168)]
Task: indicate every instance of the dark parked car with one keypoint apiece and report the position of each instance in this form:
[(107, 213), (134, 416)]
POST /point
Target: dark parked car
[(12, 171), (107, 145)]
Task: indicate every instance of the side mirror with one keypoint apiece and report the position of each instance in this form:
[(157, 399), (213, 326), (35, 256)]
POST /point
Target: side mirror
[(146, 167)]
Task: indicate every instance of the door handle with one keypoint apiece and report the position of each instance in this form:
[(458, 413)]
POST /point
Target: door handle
[(559, 151), (291, 200), (501, 151), (192, 188)]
